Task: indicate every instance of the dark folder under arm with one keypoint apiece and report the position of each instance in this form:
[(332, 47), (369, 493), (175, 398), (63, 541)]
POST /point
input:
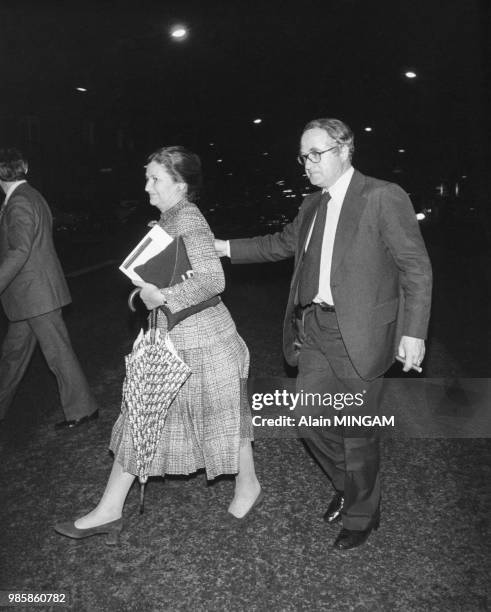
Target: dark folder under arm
[(167, 268)]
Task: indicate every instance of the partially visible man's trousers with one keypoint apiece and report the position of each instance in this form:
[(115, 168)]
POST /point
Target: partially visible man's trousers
[(349, 456), (50, 331)]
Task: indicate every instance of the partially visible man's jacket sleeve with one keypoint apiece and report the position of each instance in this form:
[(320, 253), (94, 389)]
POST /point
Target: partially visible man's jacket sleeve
[(272, 247), (401, 233), (21, 228)]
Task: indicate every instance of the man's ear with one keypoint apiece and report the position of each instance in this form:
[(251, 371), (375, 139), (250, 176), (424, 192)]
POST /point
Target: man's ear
[(344, 152)]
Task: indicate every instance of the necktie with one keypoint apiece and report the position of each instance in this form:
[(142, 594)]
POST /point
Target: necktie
[(308, 285)]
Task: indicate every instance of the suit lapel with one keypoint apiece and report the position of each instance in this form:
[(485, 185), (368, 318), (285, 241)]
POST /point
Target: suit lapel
[(349, 218)]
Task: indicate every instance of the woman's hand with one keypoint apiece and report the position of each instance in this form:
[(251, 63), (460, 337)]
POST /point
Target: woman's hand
[(150, 295)]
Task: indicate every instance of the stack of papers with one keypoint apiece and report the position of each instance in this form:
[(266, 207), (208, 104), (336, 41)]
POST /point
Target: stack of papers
[(156, 241)]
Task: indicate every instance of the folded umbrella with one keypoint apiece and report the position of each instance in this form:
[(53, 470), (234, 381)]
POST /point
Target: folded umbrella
[(154, 375)]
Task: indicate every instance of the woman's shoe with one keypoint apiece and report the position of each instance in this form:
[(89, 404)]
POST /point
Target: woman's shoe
[(255, 503), (112, 529)]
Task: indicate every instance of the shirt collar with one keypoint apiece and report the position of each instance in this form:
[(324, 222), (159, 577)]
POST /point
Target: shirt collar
[(340, 187), (13, 186)]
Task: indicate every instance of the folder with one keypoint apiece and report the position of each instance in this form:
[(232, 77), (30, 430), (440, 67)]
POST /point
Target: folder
[(170, 267), (153, 243)]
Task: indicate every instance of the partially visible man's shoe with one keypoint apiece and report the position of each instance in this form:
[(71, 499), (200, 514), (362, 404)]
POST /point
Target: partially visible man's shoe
[(333, 512), (351, 538), (77, 422)]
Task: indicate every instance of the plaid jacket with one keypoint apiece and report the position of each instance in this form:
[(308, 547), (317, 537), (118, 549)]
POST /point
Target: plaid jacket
[(184, 219)]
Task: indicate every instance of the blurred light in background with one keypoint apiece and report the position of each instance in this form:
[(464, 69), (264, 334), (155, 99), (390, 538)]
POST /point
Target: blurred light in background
[(179, 32)]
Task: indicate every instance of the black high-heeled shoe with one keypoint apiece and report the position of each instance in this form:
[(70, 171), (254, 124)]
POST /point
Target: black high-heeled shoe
[(111, 529)]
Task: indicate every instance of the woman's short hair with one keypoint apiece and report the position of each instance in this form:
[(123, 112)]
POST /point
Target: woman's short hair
[(13, 165), (184, 166), (337, 130)]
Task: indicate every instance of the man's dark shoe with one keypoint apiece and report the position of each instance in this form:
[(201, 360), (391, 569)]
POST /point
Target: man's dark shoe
[(77, 422), (333, 512), (351, 538)]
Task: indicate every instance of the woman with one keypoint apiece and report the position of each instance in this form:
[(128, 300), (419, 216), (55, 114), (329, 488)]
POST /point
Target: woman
[(208, 424)]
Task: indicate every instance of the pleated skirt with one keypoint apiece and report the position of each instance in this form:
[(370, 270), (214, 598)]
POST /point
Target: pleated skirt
[(208, 419)]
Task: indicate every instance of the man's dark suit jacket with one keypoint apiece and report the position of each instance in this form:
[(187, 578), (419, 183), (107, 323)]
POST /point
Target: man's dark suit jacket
[(31, 278), (380, 276)]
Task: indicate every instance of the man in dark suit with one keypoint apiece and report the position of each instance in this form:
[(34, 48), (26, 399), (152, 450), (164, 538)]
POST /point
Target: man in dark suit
[(32, 291), (360, 295)]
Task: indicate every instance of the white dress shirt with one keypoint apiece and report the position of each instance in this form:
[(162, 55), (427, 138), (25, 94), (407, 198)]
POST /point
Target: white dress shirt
[(337, 193), (13, 186)]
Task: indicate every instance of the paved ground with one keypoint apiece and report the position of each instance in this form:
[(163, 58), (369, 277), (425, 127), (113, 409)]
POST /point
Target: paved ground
[(431, 553)]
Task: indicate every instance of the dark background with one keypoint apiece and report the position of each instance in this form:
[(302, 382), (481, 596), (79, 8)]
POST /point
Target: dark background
[(282, 61), (285, 62)]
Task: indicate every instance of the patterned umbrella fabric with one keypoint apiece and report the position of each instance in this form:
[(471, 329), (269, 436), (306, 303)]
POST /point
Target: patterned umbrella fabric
[(154, 375)]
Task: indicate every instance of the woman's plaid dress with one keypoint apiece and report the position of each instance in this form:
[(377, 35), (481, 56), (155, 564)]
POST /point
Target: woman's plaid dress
[(210, 416)]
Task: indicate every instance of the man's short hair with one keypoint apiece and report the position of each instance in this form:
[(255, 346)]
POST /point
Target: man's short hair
[(337, 130), (13, 165)]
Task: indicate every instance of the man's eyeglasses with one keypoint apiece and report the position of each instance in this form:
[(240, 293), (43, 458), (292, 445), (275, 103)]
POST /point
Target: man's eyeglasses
[(313, 156)]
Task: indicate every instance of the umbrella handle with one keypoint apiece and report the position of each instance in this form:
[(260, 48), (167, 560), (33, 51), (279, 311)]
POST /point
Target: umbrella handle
[(131, 297), (142, 493)]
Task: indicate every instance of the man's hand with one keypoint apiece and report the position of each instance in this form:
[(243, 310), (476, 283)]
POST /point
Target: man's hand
[(150, 295), (221, 247), (412, 350)]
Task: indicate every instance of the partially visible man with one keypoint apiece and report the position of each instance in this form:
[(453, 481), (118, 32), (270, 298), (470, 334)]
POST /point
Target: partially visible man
[(32, 291), (360, 295)]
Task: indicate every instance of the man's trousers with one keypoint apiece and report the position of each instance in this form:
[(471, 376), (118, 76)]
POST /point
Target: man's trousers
[(348, 455), (50, 331)]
